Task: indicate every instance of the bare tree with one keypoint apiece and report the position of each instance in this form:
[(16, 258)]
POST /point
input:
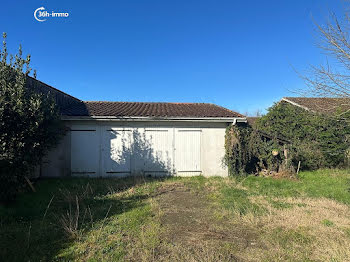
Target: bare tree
[(326, 80)]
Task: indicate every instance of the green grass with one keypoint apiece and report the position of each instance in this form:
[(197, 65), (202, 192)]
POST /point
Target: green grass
[(28, 234), (332, 184), (237, 200), (327, 223), (117, 220)]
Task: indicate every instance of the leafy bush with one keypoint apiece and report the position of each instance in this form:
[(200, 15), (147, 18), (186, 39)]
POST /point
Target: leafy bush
[(238, 156), (249, 150), (263, 147), (319, 140), (29, 124), (316, 140)]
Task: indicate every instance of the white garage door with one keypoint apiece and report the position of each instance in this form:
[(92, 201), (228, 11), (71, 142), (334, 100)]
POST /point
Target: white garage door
[(187, 151), (84, 150), (116, 151), (159, 151)]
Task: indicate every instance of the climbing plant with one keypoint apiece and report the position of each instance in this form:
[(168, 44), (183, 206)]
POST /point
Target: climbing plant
[(250, 150), (237, 156)]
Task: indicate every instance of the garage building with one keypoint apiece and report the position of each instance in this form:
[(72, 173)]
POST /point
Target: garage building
[(118, 139)]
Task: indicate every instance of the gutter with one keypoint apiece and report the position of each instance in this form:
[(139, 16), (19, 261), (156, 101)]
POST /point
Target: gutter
[(239, 120), (234, 120), (293, 103)]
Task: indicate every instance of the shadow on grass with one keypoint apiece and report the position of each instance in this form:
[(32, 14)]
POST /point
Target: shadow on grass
[(39, 225), (31, 229)]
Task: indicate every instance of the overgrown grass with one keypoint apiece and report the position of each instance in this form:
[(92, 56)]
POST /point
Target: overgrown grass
[(112, 212), (119, 219), (294, 219), (332, 184)]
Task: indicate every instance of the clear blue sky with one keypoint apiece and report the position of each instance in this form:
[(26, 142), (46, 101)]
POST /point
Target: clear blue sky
[(238, 54)]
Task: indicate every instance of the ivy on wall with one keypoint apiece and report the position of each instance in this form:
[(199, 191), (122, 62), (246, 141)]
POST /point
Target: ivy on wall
[(249, 150)]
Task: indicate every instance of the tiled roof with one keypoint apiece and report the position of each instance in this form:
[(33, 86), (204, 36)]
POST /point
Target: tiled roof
[(71, 106), (63, 100), (144, 109), (252, 119), (320, 104)]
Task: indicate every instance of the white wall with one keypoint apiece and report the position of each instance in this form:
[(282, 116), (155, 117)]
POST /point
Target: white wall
[(57, 162), (212, 151)]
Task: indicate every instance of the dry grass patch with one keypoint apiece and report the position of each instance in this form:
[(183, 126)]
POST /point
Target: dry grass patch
[(191, 232), (304, 229), (293, 220)]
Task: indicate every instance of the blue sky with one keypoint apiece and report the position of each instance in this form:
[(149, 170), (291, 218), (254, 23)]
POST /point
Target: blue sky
[(238, 54)]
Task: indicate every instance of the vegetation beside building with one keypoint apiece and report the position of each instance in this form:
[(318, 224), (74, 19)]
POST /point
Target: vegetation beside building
[(287, 135), (29, 124)]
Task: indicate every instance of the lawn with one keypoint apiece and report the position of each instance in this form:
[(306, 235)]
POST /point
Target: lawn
[(181, 219)]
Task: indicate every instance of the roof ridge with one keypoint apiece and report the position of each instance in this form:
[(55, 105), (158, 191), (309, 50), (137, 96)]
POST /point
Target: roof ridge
[(317, 97), (143, 102), (49, 86)]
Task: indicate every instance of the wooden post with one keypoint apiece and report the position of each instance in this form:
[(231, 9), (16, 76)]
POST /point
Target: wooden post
[(30, 184), (285, 151), (298, 168)]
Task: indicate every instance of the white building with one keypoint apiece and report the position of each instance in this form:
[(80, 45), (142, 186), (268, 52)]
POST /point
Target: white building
[(120, 139)]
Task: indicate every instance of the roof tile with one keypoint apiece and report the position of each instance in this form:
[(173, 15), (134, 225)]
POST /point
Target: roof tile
[(144, 109), (321, 104)]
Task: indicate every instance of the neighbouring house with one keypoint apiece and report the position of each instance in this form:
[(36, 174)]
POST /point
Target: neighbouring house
[(251, 120), (325, 105), (119, 139)]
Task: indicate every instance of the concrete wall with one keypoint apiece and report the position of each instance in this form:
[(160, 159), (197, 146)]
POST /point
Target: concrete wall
[(58, 161)]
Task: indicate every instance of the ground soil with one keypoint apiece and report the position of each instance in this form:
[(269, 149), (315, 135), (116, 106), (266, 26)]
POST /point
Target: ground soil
[(188, 220)]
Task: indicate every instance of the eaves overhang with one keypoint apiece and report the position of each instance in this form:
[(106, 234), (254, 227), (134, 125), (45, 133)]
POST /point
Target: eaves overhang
[(165, 119)]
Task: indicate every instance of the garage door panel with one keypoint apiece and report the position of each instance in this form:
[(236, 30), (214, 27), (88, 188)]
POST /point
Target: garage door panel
[(116, 151), (159, 144), (187, 150), (84, 150)]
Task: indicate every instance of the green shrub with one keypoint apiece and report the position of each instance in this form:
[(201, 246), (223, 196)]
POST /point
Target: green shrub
[(248, 150), (238, 157), (317, 141), (29, 124)]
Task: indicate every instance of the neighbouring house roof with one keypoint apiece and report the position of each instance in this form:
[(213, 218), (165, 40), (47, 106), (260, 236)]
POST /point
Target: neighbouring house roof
[(145, 109), (252, 119), (62, 99), (320, 104)]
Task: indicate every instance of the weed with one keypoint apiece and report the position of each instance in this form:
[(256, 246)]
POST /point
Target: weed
[(347, 232), (280, 204), (70, 220), (327, 223)]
